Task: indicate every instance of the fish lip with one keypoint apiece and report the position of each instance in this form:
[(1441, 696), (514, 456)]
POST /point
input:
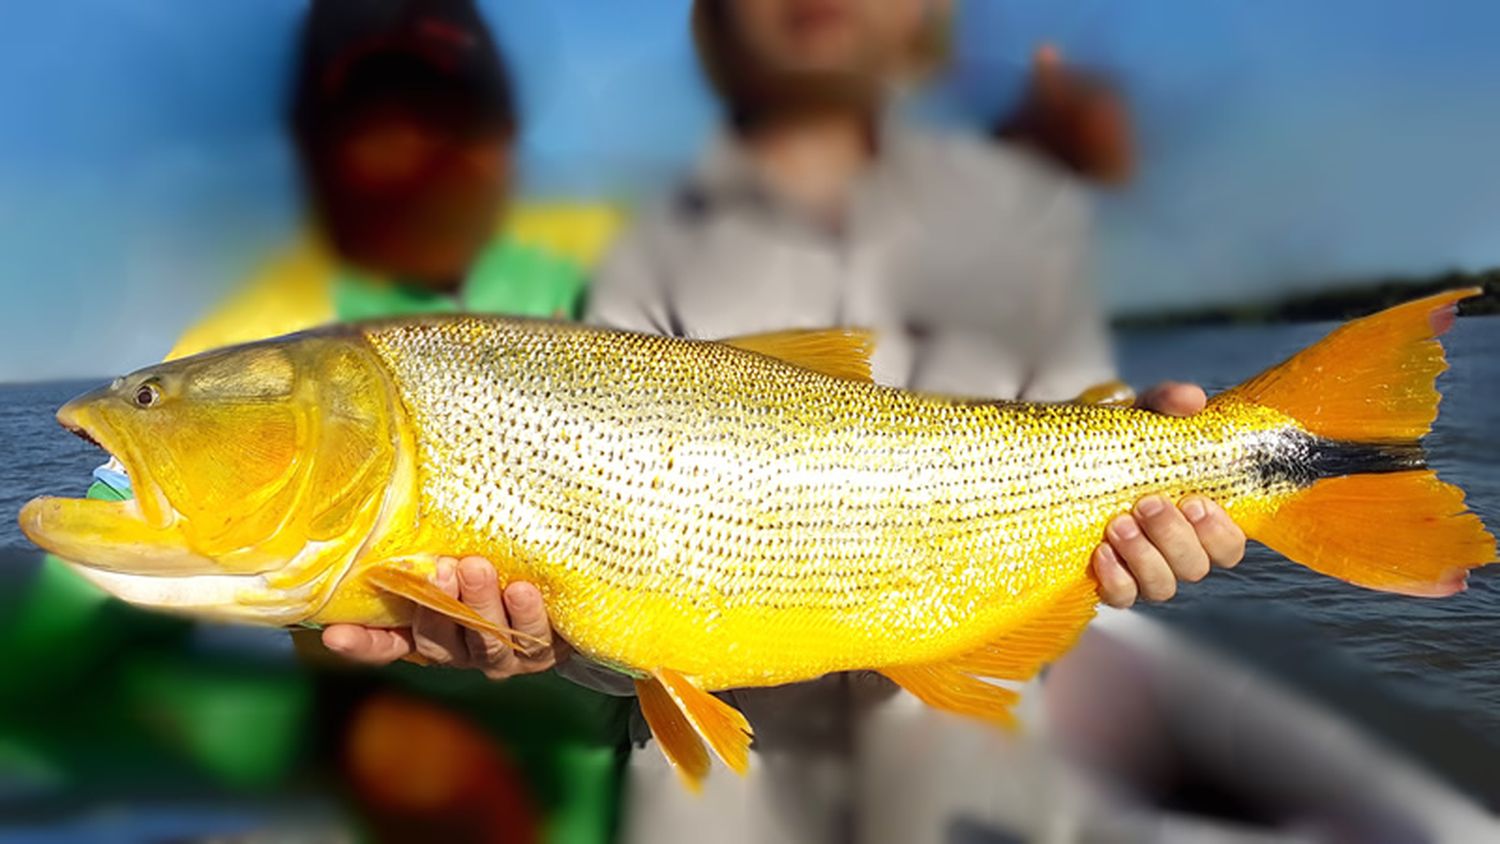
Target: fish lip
[(76, 420), (80, 418), (82, 434), (67, 417), (75, 427), (29, 519)]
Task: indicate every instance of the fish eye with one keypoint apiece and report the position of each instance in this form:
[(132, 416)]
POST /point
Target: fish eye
[(146, 395)]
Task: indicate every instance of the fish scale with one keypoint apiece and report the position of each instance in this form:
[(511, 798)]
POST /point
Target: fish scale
[(615, 467)]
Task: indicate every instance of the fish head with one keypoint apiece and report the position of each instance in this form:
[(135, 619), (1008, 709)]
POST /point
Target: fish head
[(258, 472)]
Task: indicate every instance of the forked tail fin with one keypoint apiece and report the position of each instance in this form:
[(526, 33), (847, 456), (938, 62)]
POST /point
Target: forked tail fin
[(1371, 382)]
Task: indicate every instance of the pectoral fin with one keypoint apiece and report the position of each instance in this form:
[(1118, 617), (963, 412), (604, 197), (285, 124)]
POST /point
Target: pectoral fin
[(683, 716), (424, 593), (960, 685), (679, 742)]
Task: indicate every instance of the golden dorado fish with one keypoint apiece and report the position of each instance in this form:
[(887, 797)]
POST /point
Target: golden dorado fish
[(705, 515)]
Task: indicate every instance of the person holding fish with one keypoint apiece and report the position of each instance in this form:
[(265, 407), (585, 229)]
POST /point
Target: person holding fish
[(819, 207)]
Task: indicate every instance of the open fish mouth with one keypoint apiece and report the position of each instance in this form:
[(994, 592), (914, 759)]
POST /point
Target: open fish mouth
[(113, 545), (141, 549), (113, 471), (141, 535), (78, 419)]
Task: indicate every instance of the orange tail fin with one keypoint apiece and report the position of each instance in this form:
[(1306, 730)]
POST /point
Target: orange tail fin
[(1405, 532), (1371, 382)]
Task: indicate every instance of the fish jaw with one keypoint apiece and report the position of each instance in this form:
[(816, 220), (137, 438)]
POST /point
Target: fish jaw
[(215, 597), (109, 545), (151, 567), (112, 536)]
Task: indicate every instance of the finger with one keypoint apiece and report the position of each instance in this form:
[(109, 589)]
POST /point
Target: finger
[(1050, 79), (529, 615), (479, 588), (1153, 577), (1047, 58), (1174, 399), (367, 645), (1220, 537), (1173, 535), (1116, 586), (439, 638)]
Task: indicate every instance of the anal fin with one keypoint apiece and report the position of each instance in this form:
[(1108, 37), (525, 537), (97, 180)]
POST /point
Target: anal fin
[(683, 717), (424, 593), (960, 686), (944, 687), (1021, 653)]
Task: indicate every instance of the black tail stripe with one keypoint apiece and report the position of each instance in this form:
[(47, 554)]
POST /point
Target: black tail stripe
[(1336, 458), (1302, 460)]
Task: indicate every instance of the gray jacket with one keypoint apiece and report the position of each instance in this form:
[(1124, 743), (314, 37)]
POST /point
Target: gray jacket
[(969, 260)]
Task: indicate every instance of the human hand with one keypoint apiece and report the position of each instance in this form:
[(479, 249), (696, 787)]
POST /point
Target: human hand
[(1147, 551), (1079, 118), (440, 640)]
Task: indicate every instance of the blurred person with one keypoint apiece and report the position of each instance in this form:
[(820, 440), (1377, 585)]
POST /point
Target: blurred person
[(817, 207), (404, 122)]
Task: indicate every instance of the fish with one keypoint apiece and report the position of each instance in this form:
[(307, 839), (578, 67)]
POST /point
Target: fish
[(704, 515)]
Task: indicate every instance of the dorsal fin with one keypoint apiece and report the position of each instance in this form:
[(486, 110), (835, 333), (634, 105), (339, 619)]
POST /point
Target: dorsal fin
[(1107, 393), (839, 352)]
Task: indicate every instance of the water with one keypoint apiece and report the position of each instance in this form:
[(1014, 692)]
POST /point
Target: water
[(43, 459), (1440, 652)]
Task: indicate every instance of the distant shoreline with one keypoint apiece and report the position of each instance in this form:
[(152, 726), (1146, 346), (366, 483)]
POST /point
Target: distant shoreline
[(1333, 305), (1336, 304)]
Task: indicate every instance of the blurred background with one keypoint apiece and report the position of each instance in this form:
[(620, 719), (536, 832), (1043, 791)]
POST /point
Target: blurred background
[(1251, 168), (1286, 146)]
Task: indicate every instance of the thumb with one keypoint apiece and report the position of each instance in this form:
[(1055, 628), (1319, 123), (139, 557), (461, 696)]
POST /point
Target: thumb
[(1049, 78), (1047, 66), (1174, 399), (1046, 59)]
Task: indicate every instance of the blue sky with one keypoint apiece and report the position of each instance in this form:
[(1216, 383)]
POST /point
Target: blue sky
[(1285, 143)]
